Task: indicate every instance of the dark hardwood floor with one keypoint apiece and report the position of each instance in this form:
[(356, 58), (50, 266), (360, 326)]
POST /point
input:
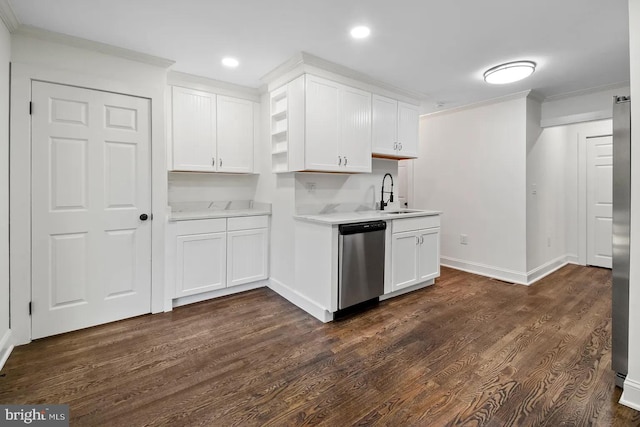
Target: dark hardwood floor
[(466, 351)]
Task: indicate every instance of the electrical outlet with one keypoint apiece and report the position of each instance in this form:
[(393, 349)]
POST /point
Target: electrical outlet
[(311, 187), (464, 239), (534, 189)]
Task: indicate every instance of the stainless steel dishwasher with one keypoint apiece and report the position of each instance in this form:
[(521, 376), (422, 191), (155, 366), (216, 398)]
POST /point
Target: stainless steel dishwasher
[(360, 262)]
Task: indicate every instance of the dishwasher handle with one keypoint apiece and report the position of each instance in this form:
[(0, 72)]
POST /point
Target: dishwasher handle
[(362, 227)]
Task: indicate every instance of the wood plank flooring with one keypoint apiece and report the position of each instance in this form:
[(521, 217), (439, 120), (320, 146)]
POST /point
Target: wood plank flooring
[(466, 351)]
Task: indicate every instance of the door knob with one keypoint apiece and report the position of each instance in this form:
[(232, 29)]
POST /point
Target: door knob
[(144, 217)]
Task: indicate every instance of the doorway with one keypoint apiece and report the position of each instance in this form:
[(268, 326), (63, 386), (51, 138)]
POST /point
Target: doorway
[(599, 189)]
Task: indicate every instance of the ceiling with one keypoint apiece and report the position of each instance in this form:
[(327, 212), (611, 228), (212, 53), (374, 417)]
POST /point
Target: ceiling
[(438, 49)]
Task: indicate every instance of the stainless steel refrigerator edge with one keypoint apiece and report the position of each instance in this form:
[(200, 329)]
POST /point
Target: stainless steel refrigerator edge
[(621, 221)]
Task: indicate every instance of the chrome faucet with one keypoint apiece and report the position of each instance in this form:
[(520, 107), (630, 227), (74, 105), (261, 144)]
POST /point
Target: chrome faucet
[(382, 202)]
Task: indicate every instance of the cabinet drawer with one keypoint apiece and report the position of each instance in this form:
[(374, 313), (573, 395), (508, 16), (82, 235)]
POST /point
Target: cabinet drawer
[(199, 226), (247, 222), (409, 224)]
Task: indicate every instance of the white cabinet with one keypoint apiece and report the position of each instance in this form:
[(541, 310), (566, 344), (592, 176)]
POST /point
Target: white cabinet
[(395, 128), (320, 125), (193, 122), (211, 133), (213, 254), (247, 250), (415, 251)]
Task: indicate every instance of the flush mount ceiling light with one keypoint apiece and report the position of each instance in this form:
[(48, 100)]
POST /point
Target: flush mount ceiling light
[(360, 32), (509, 72), (230, 62)]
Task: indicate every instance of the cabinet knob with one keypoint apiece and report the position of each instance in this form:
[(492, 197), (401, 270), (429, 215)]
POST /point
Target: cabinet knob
[(339, 160), (220, 161), (395, 145), (345, 161), (400, 146), (417, 240), (144, 217), (213, 161)]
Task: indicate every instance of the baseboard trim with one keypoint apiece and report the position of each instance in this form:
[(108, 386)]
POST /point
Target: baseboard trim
[(6, 347), (485, 270), (191, 299), (546, 269), (299, 300), (573, 259), (631, 394)]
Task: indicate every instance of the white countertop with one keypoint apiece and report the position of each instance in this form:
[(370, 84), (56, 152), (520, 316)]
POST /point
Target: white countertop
[(352, 217), (208, 210)]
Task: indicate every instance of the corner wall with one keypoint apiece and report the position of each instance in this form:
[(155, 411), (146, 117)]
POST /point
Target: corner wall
[(5, 58), (471, 166)]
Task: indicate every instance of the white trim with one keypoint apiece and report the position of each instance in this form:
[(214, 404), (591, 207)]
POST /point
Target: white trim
[(191, 299), (572, 259), (20, 182), (300, 301), (304, 62), (407, 290), (505, 275), (190, 81), (513, 96), (576, 118), (546, 269), (50, 36), (6, 347), (8, 16), (631, 394), (587, 91)]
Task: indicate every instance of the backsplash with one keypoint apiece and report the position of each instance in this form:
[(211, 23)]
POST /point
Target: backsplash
[(317, 193), (197, 187)]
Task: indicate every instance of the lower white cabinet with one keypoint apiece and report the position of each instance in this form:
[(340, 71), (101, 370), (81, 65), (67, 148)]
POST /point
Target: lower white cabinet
[(415, 251), (212, 254), (247, 256), (200, 263)]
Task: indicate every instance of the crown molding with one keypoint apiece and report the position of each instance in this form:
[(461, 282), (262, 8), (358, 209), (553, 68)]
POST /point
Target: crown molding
[(518, 95), (587, 91), (8, 16), (191, 81), (304, 62), (50, 36)]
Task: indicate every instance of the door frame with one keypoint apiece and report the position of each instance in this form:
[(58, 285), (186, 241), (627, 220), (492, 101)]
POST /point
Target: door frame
[(601, 128), (20, 182)]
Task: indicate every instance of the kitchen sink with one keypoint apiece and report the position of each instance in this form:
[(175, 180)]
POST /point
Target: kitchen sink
[(401, 211)]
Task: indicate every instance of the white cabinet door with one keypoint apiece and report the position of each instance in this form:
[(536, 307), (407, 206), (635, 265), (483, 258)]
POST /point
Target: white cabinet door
[(193, 130), (429, 254), (322, 133), (201, 263), (234, 135), (247, 256), (404, 259), (384, 126), (355, 136), (407, 130)]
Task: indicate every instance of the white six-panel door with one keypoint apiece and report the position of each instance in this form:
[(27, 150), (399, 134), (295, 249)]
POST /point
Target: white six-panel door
[(91, 252), (599, 200)]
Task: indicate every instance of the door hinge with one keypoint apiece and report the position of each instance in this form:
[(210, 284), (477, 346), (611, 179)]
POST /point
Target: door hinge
[(30, 308), (30, 108)]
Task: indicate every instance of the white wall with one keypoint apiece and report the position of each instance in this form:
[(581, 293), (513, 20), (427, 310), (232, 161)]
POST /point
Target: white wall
[(5, 57), (42, 58), (631, 395), (472, 167), (589, 105)]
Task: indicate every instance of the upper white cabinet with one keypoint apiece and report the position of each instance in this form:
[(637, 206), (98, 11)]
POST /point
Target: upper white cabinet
[(211, 133), (395, 128), (320, 125)]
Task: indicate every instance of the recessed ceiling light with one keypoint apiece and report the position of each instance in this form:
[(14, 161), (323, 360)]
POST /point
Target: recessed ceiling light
[(230, 62), (360, 32), (509, 72)]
